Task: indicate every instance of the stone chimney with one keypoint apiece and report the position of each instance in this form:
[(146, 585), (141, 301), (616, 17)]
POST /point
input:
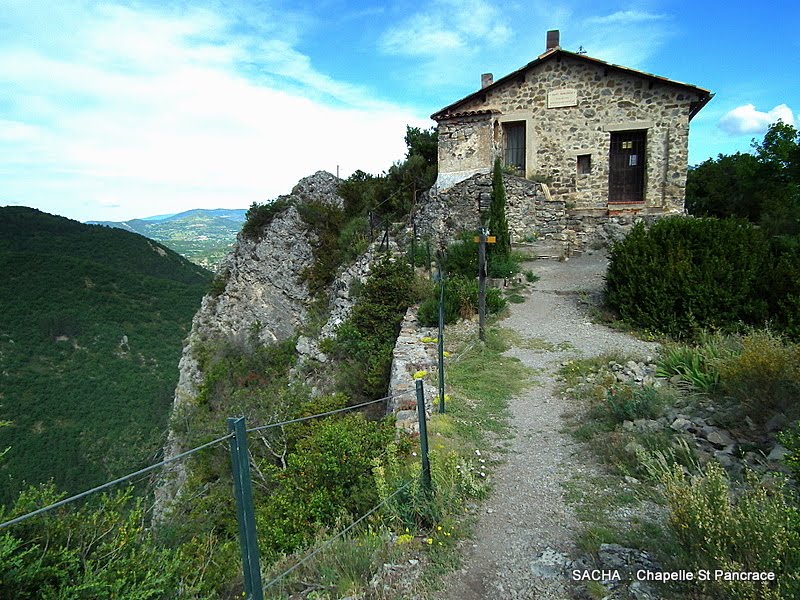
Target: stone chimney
[(486, 80), (553, 39)]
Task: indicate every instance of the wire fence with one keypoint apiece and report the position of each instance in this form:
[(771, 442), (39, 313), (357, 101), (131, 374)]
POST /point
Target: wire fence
[(181, 456), (240, 466), (329, 541), (114, 482)]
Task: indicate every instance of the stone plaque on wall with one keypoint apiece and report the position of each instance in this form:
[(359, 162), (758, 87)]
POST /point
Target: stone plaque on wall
[(563, 97)]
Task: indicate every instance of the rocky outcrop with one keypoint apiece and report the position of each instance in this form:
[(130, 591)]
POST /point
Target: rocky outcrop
[(745, 448), (264, 294), (261, 298)]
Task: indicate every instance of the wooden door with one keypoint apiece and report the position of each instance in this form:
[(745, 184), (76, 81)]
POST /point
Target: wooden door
[(626, 167)]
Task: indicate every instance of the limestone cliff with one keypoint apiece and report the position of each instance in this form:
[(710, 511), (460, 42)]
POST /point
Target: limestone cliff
[(260, 293)]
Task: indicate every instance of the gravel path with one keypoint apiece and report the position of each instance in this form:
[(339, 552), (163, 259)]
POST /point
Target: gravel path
[(524, 537)]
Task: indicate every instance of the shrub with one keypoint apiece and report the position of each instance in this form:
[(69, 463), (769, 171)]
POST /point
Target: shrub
[(764, 378), (460, 302), (75, 553), (685, 275), (758, 532), (790, 438), (219, 283), (503, 265), (325, 221), (782, 286), (354, 238), (365, 341), (498, 224), (531, 277), (628, 402), (329, 473), (258, 216), (462, 256)]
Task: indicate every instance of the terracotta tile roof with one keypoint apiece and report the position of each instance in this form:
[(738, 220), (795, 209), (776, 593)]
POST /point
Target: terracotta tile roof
[(450, 111), (473, 113)]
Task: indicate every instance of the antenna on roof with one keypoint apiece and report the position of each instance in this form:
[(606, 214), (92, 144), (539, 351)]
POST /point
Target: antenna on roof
[(581, 50)]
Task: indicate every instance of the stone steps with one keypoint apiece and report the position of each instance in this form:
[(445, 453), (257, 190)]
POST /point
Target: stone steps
[(543, 249)]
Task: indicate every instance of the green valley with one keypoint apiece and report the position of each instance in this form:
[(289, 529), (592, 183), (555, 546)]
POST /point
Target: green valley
[(91, 327), (202, 236)]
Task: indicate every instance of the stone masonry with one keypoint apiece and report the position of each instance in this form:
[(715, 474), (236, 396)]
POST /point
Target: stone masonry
[(414, 353), (533, 214), (570, 105)]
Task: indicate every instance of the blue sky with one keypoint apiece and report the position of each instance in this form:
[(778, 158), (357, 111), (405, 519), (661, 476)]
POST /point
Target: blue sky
[(130, 108)]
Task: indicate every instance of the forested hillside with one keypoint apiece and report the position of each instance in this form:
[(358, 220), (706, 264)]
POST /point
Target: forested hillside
[(91, 327), (202, 236)]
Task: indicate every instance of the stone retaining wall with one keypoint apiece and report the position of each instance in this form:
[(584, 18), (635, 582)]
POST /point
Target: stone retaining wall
[(532, 214), (412, 355)]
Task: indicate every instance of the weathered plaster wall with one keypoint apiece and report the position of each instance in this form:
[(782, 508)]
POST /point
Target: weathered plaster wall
[(607, 100), (465, 148)]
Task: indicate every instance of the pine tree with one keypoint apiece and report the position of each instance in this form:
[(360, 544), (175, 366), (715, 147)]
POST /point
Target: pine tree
[(498, 225)]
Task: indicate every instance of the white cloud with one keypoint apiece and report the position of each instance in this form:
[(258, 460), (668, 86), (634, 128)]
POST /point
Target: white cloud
[(142, 112), (746, 119), (624, 17), (448, 26), (627, 38)]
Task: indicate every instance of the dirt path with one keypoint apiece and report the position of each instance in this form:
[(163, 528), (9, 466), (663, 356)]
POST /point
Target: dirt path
[(524, 538)]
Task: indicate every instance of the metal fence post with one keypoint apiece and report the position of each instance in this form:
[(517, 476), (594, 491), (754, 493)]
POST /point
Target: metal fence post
[(423, 437), (243, 490), (440, 346), (414, 246), (482, 284)]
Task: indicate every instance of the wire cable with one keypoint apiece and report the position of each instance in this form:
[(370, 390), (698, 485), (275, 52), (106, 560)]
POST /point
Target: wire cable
[(334, 538), (114, 482), (326, 414)]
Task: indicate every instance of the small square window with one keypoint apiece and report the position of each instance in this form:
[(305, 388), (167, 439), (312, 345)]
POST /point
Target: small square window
[(584, 164)]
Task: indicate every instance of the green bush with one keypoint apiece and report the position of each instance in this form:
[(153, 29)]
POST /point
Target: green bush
[(685, 275), (364, 342), (354, 238), (627, 402), (89, 552), (460, 302), (759, 531), (328, 475), (697, 365), (326, 222), (258, 216), (503, 266), (764, 377), (498, 224), (781, 287), (462, 256)]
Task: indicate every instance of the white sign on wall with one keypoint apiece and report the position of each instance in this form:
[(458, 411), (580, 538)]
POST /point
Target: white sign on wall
[(563, 97)]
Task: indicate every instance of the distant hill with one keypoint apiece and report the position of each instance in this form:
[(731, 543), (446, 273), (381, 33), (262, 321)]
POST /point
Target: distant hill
[(204, 236), (92, 321)]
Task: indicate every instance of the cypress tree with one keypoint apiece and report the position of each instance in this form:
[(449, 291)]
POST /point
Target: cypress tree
[(498, 225)]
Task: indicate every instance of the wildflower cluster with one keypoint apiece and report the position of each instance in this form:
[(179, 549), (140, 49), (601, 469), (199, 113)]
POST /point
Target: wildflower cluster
[(473, 474)]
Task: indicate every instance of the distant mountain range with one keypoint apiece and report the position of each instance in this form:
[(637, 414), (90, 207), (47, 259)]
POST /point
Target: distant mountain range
[(204, 236), (92, 321)]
